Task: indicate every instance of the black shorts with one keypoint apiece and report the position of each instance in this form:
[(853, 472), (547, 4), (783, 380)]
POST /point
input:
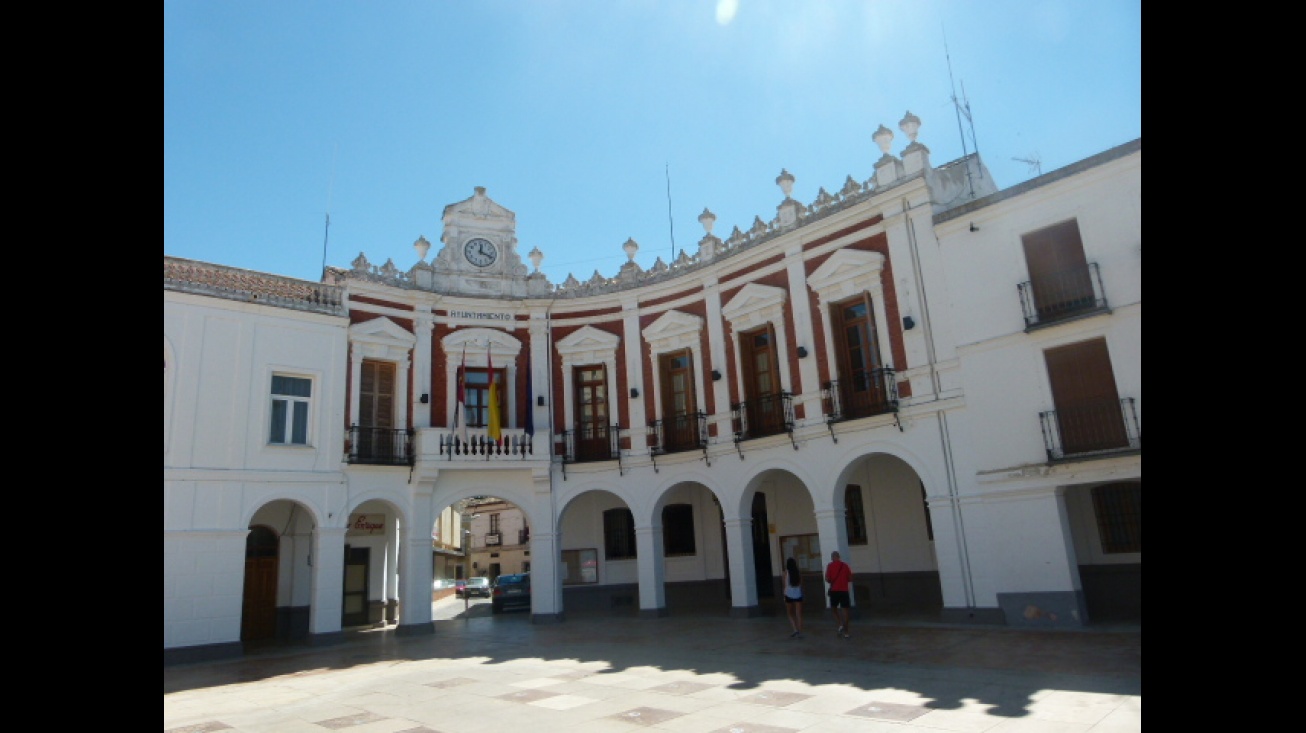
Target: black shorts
[(839, 599), (799, 599)]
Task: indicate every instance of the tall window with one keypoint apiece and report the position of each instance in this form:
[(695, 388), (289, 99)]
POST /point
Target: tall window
[(678, 529), (854, 515), (679, 411), (290, 402), (1083, 386), (763, 406), (592, 413), (494, 524), (1058, 272), (618, 534), (477, 391), (1119, 511), (376, 403), (862, 383)]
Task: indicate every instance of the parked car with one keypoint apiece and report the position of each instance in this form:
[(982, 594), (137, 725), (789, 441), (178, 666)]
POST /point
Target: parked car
[(473, 588), (511, 591)]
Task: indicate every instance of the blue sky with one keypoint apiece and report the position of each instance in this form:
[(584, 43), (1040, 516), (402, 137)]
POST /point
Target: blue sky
[(574, 114)]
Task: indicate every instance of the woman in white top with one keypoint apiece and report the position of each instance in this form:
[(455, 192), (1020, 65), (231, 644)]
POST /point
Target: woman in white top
[(794, 597)]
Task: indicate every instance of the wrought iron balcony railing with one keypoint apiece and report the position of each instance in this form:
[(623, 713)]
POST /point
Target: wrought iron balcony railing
[(380, 446), (769, 414), (678, 433), (1062, 296), (493, 538), (1095, 428), (523, 536), (863, 393), (593, 443)]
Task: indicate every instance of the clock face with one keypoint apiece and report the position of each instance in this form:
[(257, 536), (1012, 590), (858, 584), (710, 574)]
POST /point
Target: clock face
[(480, 252)]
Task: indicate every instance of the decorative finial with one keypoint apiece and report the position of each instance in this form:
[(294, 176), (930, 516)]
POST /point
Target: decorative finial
[(422, 246), (785, 181), (535, 256), (883, 137), (910, 124), (631, 248), (707, 219)]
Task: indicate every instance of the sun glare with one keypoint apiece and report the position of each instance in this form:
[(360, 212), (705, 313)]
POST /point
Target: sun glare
[(725, 11)]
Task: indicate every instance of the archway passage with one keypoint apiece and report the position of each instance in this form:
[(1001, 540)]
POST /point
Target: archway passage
[(258, 619)]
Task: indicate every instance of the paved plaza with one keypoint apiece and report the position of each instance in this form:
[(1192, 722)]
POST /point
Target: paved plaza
[(692, 673)]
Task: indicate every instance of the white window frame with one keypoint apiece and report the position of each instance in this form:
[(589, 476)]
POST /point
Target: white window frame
[(292, 401)]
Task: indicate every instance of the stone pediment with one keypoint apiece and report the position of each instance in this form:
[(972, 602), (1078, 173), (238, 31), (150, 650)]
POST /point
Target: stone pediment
[(381, 330), (846, 273), (479, 210), (752, 298), (588, 338), (671, 329)]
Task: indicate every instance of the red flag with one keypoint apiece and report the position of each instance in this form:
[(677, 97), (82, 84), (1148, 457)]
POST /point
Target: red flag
[(459, 416)]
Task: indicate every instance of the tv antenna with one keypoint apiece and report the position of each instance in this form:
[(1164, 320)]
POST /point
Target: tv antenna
[(962, 107), (326, 233), (1034, 162)]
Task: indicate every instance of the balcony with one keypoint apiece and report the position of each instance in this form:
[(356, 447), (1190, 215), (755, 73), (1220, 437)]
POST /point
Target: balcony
[(1104, 427), (863, 393), (594, 443), (379, 446), (513, 445), (678, 433), (769, 414), (1063, 296)]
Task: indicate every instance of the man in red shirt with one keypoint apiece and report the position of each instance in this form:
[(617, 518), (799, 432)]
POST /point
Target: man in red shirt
[(837, 574)]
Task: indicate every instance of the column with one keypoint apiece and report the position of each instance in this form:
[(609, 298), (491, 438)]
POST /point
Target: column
[(832, 528), (652, 594), (546, 552), (328, 585), (392, 573), (416, 564), (716, 347), (807, 389), (634, 346), (743, 579), (424, 325)]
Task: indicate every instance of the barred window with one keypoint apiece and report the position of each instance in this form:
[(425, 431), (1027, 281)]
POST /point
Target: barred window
[(1119, 511), (618, 534)]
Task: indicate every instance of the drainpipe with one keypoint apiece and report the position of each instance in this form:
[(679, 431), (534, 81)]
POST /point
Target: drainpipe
[(945, 437)]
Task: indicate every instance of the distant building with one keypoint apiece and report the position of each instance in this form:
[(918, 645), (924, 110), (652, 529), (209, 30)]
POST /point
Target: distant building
[(936, 377)]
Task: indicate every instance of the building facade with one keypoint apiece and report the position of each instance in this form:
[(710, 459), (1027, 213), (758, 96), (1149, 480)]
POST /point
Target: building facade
[(938, 378)]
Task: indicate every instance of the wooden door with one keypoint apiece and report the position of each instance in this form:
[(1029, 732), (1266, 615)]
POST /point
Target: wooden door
[(1058, 272), (861, 384), (1084, 392), (764, 407), (592, 440), (258, 618), (376, 410), (355, 611), (679, 411)]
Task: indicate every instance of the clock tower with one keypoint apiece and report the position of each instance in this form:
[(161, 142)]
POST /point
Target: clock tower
[(479, 256)]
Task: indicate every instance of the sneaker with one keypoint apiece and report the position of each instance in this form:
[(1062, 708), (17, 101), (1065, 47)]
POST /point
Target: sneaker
[(846, 635), (839, 632), (794, 635)]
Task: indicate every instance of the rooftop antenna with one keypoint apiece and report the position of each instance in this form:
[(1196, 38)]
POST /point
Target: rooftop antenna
[(670, 222), (331, 184), (1034, 162), (963, 110)]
